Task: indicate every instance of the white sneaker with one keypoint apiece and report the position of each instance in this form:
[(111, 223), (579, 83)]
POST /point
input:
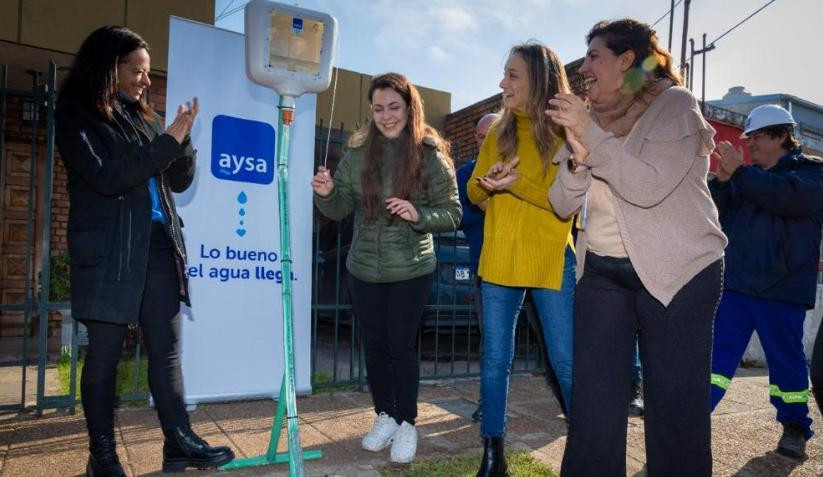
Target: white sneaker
[(404, 446), (381, 434)]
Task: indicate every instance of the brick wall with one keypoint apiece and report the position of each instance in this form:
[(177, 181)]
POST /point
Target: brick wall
[(157, 94), (459, 125), (59, 208), (18, 142)]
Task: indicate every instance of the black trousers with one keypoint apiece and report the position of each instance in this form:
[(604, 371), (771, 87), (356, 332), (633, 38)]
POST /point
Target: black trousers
[(611, 307), (816, 372), (389, 316), (160, 324)]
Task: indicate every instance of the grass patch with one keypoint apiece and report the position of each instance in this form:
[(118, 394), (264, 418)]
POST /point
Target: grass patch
[(319, 386), (521, 464), (130, 395)]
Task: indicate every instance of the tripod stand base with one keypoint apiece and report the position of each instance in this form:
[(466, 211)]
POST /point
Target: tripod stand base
[(282, 458)]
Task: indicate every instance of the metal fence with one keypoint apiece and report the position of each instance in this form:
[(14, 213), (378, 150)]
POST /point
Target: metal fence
[(26, 295), (28, 177)]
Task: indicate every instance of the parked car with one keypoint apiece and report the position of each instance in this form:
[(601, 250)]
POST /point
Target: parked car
[(450, 302)]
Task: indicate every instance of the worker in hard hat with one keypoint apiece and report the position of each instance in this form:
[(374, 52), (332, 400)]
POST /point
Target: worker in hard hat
[(772, 212)]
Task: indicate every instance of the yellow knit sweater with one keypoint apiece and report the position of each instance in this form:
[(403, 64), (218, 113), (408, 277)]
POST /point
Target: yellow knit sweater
[(523, 240)]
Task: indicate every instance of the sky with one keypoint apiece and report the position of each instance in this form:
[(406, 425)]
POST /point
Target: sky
[(460, 46)]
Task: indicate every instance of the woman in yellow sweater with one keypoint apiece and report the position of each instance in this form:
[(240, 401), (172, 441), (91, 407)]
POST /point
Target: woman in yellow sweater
[(525, 245)]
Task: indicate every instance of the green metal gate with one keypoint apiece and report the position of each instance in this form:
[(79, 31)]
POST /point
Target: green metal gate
[(54, 364), (32, 303)]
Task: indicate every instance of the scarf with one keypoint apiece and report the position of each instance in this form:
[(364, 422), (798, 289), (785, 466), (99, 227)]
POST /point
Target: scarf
[(618, 116)]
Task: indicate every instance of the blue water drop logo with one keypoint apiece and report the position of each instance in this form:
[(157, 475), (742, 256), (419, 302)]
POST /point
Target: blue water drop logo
[(241, 199)]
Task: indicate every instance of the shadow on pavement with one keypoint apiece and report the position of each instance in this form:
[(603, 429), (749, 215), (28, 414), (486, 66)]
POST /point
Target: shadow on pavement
[(769, 464)]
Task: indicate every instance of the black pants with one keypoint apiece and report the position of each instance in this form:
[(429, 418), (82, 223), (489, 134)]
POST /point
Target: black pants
[(816, 371), (160, 324), (389, 316), (611, 307)]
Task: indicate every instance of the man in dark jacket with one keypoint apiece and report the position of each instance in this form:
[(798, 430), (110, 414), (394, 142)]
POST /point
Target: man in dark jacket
[(772, 212)]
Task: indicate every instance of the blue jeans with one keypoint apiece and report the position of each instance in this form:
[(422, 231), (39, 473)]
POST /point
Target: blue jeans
[(501, 306)]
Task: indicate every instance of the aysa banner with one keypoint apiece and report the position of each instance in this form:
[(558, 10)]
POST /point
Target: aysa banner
[(232, 336)]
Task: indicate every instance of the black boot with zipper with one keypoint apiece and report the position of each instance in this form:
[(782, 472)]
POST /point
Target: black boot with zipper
[(103, 461), (183, 448), (494, 458)]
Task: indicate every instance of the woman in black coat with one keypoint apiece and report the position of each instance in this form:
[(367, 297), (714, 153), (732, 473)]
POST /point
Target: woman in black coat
[(128, 259)]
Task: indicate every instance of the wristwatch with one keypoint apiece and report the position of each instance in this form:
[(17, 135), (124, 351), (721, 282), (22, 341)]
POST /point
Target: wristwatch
[(574, 166)]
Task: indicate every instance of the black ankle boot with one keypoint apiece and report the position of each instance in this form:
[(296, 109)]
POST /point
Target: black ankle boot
[(494, 458), (793, 441), (183, 448), (103, 461)]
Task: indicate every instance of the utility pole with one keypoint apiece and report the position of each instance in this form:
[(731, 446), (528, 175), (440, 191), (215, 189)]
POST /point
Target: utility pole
[(671, 25), (703, 52), (690, 80), (686, 5)]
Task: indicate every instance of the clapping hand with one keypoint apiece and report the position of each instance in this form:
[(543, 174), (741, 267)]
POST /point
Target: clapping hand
[(728, 160), (570, 111), (181, 126), (500, 176)]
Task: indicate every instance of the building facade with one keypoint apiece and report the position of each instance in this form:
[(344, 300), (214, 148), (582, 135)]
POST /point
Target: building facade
[(35, 32)]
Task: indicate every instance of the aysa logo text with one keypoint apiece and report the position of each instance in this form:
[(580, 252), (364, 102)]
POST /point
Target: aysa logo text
[(242, 150)]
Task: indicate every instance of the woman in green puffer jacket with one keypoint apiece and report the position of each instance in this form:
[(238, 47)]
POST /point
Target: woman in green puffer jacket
[(399, 182)]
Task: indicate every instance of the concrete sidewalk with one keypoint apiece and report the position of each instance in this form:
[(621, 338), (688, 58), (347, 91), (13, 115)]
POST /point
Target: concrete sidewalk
[(744, 433)]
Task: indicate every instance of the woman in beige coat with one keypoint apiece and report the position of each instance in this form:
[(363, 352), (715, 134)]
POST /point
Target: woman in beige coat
[(649, 251)]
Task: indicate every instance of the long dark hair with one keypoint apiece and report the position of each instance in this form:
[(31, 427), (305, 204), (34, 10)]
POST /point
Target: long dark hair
[(651, 60), (93, 75), (547, 77), (408, 173)]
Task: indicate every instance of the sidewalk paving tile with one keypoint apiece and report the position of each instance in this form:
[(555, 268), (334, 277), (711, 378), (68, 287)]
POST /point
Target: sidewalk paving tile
[(744, 433)]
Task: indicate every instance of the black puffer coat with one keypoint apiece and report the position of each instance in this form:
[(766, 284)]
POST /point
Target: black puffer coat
[(109, 163)]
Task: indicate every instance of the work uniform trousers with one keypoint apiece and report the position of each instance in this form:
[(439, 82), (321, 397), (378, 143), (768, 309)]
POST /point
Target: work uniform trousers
[(779, 326)]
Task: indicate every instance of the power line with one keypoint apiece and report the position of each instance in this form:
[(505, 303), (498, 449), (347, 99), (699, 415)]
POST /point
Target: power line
[(667, 13), (229, 13), (220, 15), (711, 44), (742, 22)]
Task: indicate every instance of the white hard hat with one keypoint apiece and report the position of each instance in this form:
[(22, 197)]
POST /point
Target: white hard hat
[(765, 116)]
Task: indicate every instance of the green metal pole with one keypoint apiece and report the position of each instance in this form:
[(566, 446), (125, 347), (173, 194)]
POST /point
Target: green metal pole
[(283, 125), (287, 403)]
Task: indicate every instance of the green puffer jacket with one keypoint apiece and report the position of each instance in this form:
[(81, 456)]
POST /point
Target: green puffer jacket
[(386, 249)]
